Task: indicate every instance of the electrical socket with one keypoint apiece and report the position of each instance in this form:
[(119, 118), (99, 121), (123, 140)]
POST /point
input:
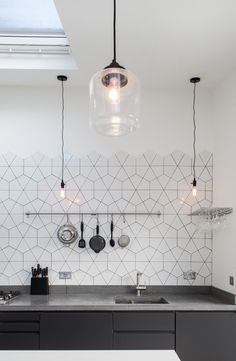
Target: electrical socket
[(64, 275), (231, 280), (190, 275)]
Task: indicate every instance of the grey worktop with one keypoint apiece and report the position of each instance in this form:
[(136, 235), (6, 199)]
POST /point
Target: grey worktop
[(103, 299)]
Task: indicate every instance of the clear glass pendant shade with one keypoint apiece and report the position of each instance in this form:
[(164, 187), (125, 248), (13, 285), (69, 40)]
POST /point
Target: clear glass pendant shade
[(114, 101)]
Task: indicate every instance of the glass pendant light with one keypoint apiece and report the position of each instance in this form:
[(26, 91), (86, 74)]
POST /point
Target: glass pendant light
[(62, 78), (114, 97), (194, 183)]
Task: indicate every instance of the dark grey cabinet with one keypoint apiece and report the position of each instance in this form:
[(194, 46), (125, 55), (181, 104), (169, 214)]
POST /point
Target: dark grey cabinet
[(76, 331), (196, 336), (144, 330), (206, 336), (19, 331)]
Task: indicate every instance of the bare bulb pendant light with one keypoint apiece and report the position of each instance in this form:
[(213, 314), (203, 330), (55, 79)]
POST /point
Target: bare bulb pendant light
[(114, 97), (194, 183), (62, 78)]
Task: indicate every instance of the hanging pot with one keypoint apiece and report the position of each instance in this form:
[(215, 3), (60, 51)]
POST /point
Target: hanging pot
[(67, 233), (97, 242)]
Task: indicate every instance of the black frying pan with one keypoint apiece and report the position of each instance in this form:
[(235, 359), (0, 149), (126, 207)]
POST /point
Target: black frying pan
[(97, 242)]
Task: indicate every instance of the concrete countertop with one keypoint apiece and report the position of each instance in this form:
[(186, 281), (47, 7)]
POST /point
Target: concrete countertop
[(105, 301)]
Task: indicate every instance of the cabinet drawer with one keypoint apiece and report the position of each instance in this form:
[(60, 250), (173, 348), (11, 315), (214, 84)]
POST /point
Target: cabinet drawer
[(19, 316), (144, 341), (19, 326), (76, 331), (144, 321), (19, 341)]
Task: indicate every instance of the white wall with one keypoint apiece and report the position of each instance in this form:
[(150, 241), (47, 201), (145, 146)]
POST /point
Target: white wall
[(224, 130), (30, 122)]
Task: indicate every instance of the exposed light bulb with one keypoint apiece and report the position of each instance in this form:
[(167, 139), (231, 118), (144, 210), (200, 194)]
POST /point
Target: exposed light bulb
[(62, 191), (114, 95), (194, 190), (114, 90)]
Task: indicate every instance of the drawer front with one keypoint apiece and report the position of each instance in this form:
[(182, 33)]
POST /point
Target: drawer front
[(19, 316), (19, 341), (19, 326), (144, 321), (144, 341), (76, 331)]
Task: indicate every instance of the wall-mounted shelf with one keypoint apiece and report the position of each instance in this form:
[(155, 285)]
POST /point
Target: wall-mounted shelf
[(212, 212)]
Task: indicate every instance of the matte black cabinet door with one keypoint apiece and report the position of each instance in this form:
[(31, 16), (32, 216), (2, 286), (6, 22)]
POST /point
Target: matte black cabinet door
[(76, 331), (206, 336)]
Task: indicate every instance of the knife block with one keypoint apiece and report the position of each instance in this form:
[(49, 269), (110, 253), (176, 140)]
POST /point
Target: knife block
[(39, 286)]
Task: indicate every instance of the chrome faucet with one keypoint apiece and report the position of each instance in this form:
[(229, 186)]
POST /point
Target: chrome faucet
[(139, 287)]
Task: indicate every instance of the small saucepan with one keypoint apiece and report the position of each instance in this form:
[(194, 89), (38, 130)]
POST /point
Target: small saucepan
[(97, 242)]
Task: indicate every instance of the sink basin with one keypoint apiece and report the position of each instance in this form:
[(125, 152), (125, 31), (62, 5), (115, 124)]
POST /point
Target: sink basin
[(150, 300)]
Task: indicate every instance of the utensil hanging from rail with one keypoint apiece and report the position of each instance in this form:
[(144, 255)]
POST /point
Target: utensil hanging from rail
[(97, 243), (123, 240), (82, 243), (112, 242), (67, 233)]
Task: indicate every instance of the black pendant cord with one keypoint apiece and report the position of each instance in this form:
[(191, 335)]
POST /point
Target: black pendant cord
[(114, 33), (194, 131), (62, 134), (62, 78)]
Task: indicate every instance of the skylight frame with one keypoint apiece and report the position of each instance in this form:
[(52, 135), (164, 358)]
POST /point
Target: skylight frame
[(30, 41)]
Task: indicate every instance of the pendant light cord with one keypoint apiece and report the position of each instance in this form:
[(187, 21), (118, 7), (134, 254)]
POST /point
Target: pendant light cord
[(62, 131), (114, 32), (194, 131)]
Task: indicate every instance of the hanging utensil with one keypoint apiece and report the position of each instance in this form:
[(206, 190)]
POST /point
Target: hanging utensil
[(97, 242), (82, 243), (123, 241), (112, 242), (67, 233)]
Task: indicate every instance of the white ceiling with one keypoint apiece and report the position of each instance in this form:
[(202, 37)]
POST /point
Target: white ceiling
[(165, 42)]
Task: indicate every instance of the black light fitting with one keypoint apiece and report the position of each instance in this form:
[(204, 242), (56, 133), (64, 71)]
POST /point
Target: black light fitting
[(114, 77), (62, 78), (194, 81)]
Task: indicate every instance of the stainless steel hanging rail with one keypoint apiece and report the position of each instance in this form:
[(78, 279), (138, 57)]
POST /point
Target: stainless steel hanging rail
[(28, 214)]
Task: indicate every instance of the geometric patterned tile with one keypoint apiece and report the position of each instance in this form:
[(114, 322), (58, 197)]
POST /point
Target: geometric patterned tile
[(162, 248)]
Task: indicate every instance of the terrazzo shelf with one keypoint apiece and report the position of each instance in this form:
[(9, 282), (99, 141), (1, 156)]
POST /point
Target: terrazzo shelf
[(157, 355)]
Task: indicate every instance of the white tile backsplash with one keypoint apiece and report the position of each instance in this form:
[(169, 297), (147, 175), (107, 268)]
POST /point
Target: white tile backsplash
[(160, 247)]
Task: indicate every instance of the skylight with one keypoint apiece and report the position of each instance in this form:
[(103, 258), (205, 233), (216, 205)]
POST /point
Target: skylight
[(31, 27), (29, 17)]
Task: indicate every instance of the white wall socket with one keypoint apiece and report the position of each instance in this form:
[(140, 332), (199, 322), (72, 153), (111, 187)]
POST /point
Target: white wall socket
[(64, 275)]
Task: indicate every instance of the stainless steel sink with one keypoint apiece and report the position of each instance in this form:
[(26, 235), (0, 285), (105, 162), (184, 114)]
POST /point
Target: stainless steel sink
[(150, 300)]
